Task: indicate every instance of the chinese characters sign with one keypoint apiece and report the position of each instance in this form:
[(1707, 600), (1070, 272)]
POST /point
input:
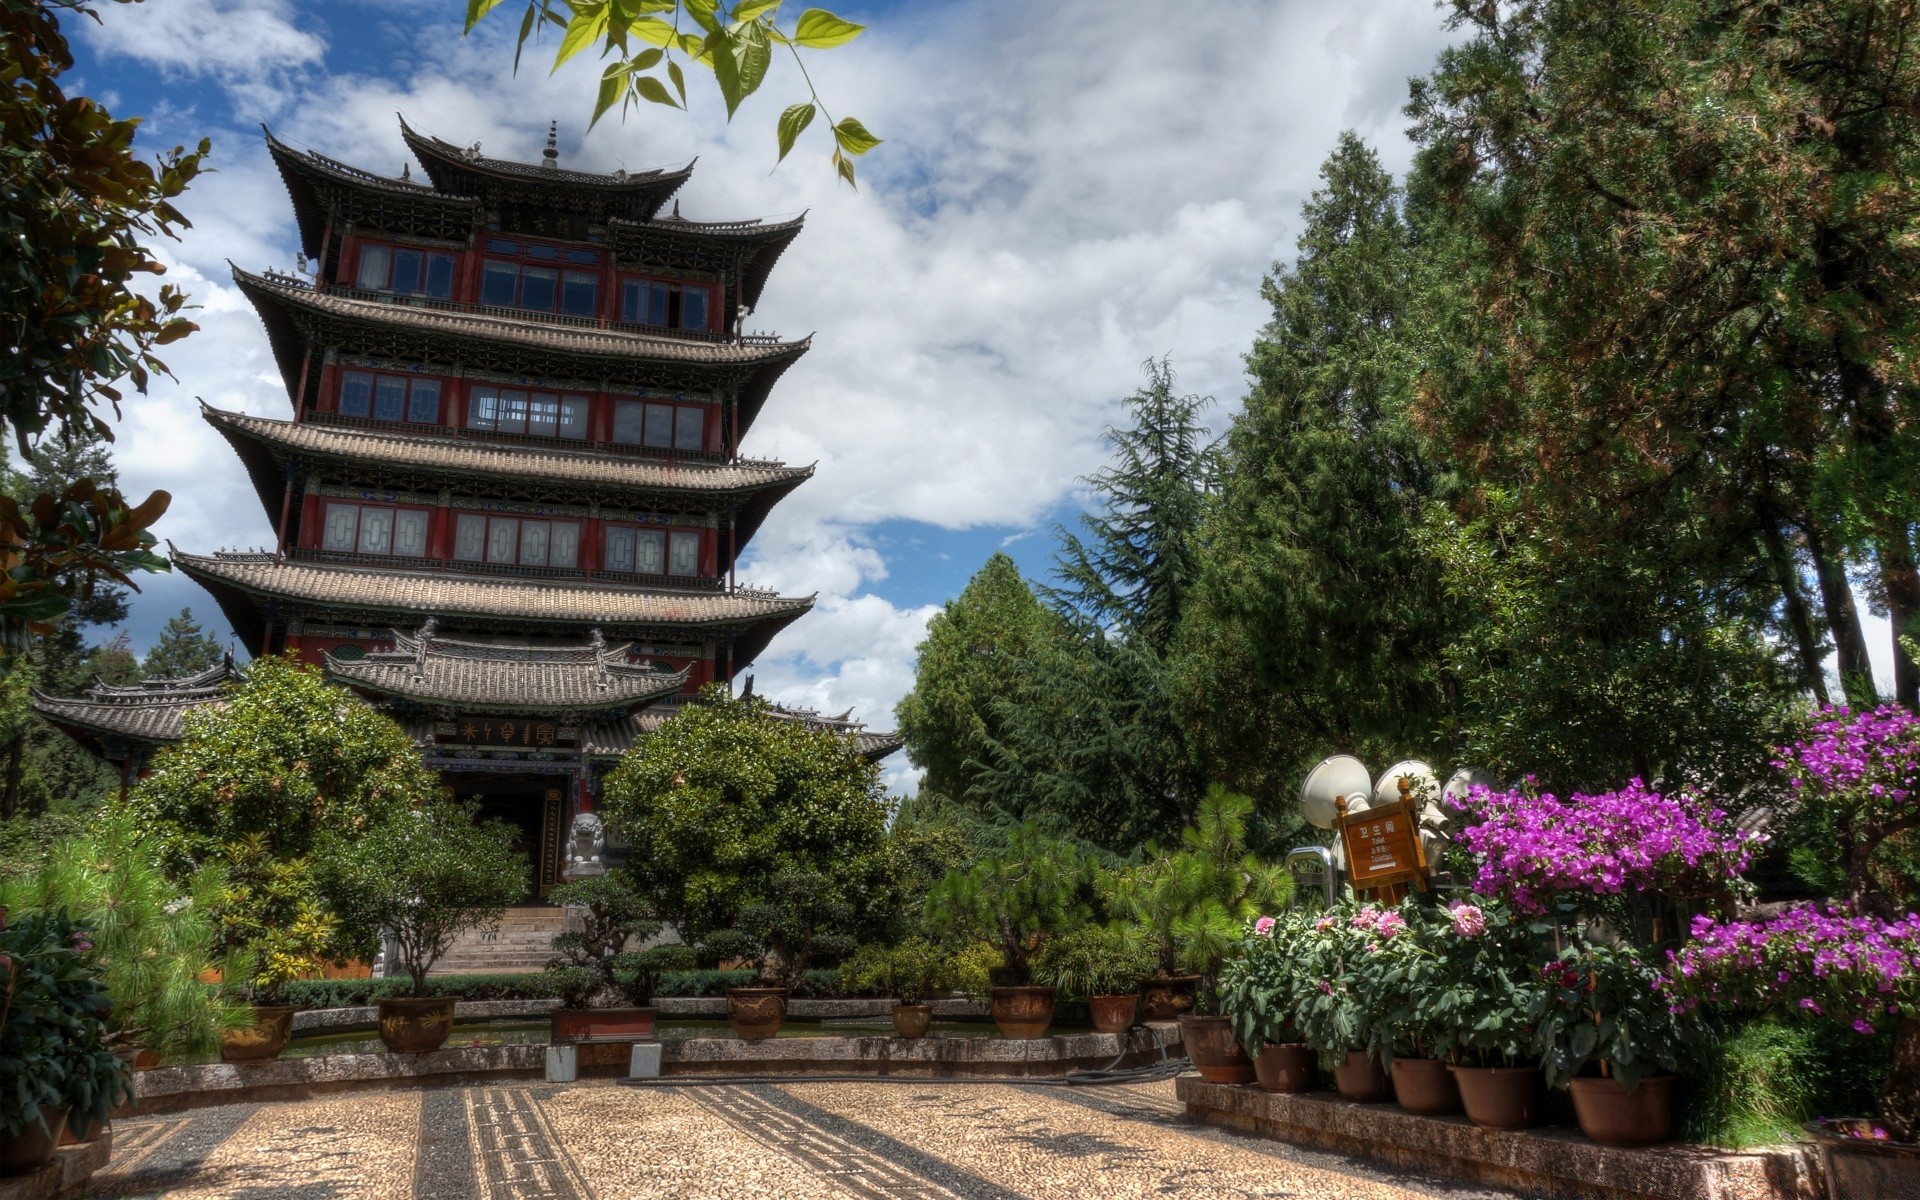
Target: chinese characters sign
[(519, 733), (1383, 847)]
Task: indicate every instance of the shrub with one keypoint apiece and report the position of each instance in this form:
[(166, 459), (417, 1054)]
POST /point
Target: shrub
[(1015, 895), (908, 972), (612, 912), (1756, 1080), (52, 1039), (1263, 986), (1098, 960)]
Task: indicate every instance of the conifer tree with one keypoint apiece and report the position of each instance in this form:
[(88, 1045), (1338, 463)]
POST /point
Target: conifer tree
[(182, 648)]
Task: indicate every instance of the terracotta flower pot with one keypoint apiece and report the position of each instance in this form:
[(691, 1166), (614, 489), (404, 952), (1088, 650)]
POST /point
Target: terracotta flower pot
[(1360, 1079), (1165, 998), (1216, 1053), (1022, 1012), (1423, 1085), (911, 1020), (1859, 1166), (416, 1024), (1284, 1066), (71, 1136), (1613, 1116), (264, 1039), (756, 1013), (1112, 1014), (33, 1147), (578, 1024), (1500, 1097)]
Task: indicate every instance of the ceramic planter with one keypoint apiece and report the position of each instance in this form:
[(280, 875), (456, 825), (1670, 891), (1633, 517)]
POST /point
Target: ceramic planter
[(1216, 1053), (756, 1013), (33, 1147), (1112, 1014), (416, 1024), (1500, 1097), (1284, 1066), (1165, 998), (579, 1024), (264, 1039), (1613, 1116), (1423, 1085), (1360, 1079), (1022, 1012), (1864, 1168), (911, 1020)]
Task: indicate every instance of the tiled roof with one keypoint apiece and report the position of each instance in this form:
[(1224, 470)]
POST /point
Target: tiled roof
[(611, 739), (532, 463), (153, 711), (452, 595), (434, 152), (529, 330), (456, 674)]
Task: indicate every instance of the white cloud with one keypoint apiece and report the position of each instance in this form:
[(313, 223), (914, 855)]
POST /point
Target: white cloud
[(251, 47), (1060, 197)]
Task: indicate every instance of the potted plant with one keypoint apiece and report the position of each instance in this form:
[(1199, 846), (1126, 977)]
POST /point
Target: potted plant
[(1416, 1028), (53, 1056), (422, 880), (1260, 989), (802, 915), (910, 972), (1489, 987), (274, 928), (1102, 964), (1016, 895), (604, 912), (1196, 902), (1337, 1018), (1606, 1034)]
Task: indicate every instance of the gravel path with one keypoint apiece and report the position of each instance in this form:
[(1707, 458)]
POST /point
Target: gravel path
[(792, 1141)]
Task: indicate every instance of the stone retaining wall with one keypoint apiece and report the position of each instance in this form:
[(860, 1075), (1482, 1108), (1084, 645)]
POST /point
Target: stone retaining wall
[(1554, 1164), (675, 1008), (65, 1176)]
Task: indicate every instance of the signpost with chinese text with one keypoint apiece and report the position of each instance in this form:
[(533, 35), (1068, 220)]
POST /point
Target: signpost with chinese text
[(520, 733), (1383, 849)]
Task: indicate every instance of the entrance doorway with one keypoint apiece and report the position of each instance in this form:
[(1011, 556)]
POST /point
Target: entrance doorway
[(535, 809)]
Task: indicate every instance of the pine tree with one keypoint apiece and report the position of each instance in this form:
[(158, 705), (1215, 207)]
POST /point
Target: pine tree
[(182, 648)]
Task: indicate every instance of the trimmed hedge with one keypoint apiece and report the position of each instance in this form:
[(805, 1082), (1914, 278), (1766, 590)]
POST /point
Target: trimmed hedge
[(354, 993)]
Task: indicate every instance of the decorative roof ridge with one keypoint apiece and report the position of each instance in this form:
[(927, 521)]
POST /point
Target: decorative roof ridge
[(352, 174), (425, 668), (130, 699), (426, 145), (680, 224)]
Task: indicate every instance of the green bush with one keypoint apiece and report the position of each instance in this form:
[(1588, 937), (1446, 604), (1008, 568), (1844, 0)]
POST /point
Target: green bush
[(908, 972), (1099, 960), (1758, 1079)]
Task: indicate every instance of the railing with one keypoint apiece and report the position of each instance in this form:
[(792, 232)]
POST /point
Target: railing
[(401, 562), (668, 458)]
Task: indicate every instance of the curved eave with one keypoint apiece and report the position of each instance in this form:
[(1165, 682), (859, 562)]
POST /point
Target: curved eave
[(302, 171), (767, 243), (664, 686), (83, 720), (638, 195)]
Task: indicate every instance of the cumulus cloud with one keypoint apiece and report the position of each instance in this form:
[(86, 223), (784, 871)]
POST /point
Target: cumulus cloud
[(1060, 198)]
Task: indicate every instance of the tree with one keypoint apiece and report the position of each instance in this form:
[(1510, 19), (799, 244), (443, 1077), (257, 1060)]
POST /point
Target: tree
[(1318, 622), (1023, 888), (646, 39), (183, 648), (735, 817), (984, 645)]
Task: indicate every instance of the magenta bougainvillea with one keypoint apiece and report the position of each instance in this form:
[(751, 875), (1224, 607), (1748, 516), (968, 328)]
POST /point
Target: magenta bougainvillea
[(1825, 962), (1858, 773), (1533, 847)]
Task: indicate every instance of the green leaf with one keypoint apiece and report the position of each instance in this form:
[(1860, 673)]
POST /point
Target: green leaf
[(526, 30), (792, 122), (853, 137), (819, 29), (753, 10), (476, 9), (653, 29), (612, 87), (679, 81), (1583, 1041), (651, 89), (726, 68), (588, 26), (844, 165), (755, 56), (704, 12), (646, 60)]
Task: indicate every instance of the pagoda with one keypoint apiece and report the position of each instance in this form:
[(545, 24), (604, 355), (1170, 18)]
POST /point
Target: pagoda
[(509, 499)]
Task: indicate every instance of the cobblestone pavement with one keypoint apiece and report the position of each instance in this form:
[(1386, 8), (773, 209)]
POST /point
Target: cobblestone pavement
[(799, 1141)]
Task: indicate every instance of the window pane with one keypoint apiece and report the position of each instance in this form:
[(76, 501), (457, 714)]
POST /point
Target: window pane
[(470, 538), (649, 550), (693, 308), (410, 533), (543, 253), (633, 295), (587, 257), (537, 285), (503, 245), (533, 543), (503, 538), (512, 416), (564, 549), (627, 415), (543, 415), (656, 304), (573, 417), (423, 402), (686, 554), (341, 520), (373, 267), (659, 425), (389, 397), (406, 271), (376, 531), (579, 295), (496, 285), (483, 408), (356, 393), (440, 276), (619, 549), (689, 432)]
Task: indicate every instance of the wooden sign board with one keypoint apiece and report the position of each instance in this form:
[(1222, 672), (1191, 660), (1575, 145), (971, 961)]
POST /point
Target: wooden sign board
[(529, 733), (1383, 847)]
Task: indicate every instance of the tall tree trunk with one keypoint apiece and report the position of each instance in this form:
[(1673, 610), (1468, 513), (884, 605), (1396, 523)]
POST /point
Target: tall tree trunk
[(1843, 621), (1902, 583), (1786, 575)]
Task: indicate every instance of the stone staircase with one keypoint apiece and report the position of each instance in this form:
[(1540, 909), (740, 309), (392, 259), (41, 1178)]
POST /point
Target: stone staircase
[(524, 942)]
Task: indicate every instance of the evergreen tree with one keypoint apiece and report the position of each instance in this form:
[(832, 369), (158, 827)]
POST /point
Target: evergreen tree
[(1320, 622), (183, 648)]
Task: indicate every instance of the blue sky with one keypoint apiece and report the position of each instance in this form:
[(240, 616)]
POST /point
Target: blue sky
[(1065, 191)]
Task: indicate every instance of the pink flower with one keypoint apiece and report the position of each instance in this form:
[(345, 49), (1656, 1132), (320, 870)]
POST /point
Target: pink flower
[(1862, 1027), (1326, 989), (1468, 920), (1264, 926), (1390, 924)]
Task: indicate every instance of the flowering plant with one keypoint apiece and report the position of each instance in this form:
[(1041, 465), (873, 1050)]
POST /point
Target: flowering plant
[(1602, 1008), (1533, 847), (1858, 774), (1261, 987), (1336, 1009)]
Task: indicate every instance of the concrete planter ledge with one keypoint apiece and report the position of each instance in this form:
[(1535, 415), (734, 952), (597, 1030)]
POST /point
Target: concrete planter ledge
[(1556, 1164), (672, 1008), (66, 1175), (347, 1020)]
